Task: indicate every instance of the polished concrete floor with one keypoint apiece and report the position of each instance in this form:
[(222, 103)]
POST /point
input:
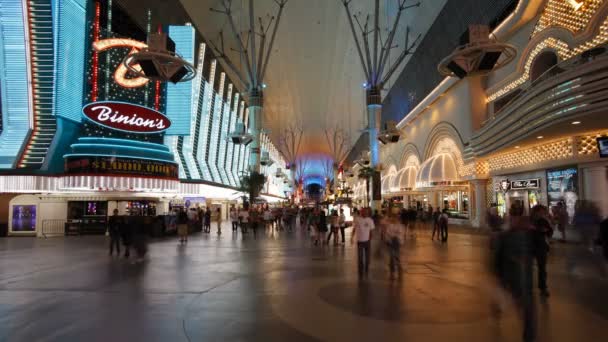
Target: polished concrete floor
[(279, 288)]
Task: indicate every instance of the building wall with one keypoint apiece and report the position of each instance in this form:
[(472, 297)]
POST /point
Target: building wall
[(460, 113)]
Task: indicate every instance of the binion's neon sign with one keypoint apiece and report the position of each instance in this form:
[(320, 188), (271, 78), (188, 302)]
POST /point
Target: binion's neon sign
[(120, 75), (126, 117)]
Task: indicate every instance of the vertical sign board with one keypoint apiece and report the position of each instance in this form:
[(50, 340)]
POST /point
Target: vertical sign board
[(562, 186)]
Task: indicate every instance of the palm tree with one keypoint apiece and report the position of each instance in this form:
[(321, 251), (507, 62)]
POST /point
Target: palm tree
[(367, 173), (252, 184)]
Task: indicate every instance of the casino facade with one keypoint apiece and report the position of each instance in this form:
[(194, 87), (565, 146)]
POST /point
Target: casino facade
[(532, 132), (81, 136)]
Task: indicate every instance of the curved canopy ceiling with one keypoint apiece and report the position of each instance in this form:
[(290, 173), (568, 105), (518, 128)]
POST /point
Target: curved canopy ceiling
[(314, 75)]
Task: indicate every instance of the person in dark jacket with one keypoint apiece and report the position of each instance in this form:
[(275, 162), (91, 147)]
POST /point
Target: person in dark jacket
[(442, 222), (514, 254), (126, 233), (542, 231), (435, 218), (114, 223), (322, 228), (140, 236), (207, 227)]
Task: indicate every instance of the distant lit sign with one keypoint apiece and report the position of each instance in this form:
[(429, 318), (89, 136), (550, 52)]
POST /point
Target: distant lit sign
[(126, 117), (120, 75), (602, 145), (576, 4), (526, 184), (120, 166)]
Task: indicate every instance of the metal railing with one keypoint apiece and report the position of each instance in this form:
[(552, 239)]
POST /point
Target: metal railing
[(551, 73), (54, 227)]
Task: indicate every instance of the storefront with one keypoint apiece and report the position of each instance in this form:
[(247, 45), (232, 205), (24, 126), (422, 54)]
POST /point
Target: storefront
[(525, 192), (441, 187)]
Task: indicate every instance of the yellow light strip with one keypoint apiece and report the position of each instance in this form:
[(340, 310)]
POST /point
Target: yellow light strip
[(558, 13)]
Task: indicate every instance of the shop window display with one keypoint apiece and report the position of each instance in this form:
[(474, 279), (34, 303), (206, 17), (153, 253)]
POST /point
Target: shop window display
[(457, 203), (87, 217), (562, 186), (24, 218), (141, 208)]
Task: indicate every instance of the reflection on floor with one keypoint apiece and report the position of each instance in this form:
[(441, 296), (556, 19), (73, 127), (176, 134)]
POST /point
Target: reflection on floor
[(279, 288)]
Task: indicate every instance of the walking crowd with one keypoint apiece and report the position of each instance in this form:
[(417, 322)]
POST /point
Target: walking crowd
[(520, 242)]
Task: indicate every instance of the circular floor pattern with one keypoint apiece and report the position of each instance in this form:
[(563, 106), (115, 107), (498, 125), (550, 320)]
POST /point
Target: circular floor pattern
[(414, 299)]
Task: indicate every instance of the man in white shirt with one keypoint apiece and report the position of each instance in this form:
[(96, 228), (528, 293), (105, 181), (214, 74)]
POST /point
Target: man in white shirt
[(362, 230), (234, 218)]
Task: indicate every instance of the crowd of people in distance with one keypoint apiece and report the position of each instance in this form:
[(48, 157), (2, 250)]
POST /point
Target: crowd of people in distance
[(520, 242), (132, 232)]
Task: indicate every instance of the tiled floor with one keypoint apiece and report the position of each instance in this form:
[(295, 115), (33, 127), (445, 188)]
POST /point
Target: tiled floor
[(279, 288)]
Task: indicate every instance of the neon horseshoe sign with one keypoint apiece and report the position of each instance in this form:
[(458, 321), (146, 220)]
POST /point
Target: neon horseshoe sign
[(120, 75)]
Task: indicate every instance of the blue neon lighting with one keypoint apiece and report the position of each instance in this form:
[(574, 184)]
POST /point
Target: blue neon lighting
[(13, 82), (70, 30), (180, 95), (123, 142), (114, 155)]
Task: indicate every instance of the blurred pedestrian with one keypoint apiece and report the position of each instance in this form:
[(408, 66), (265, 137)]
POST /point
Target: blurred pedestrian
[(362, 231), (182, 227), (114, 223), (542, 233), (342, 223), (493, 219), (436, 229), (234, 218), (443, 225), (334, 220), (192, 219), (244, 218), (219, 221), (514, 256), (394, 239), (322, 226), (268, 218), (140, 237), (126, 233), (254, 220), (560, 215), (586, 220), (207, 224)]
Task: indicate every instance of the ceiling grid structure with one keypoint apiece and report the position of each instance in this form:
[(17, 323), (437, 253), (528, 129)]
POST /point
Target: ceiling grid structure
[(314, 78)]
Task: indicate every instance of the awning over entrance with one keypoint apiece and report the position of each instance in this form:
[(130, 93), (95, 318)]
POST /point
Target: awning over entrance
[(405, 179), (439, 170)]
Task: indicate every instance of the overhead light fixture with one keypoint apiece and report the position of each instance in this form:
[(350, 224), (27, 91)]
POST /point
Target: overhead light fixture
[(239, 136), (517, 146), (539, 137), (159, 61), (390, 134), (576, 122)]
